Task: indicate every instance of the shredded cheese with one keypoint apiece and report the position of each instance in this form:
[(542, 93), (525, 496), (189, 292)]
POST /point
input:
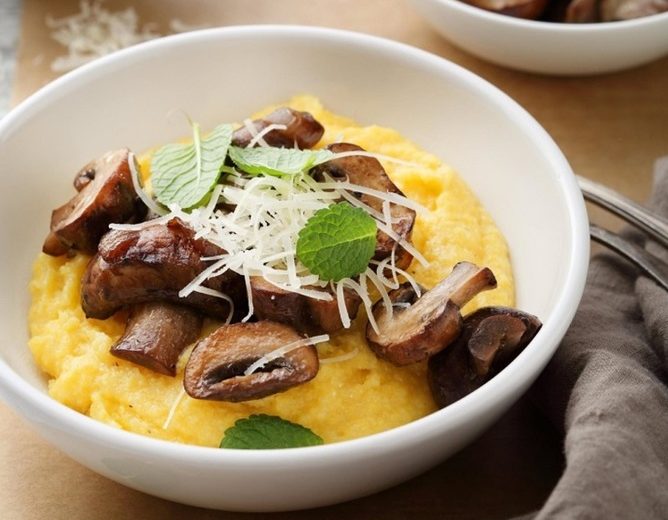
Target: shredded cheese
[(173, 408), (373, 155), (394, 284), (339, 359), (254, 133), (263, 132), (363, 294), (285, 349), (141, 225), (382, 195), (136, 184), (95, 31), (378, 283), (218, 294), (259, 236)]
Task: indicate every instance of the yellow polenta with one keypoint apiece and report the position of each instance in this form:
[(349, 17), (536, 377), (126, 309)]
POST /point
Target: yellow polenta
[(347, 399)]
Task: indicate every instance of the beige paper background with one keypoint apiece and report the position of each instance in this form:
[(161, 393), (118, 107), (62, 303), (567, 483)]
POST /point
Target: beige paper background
[(611, 128)]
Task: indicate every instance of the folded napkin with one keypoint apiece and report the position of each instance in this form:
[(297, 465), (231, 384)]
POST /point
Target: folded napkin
[(606, 387)]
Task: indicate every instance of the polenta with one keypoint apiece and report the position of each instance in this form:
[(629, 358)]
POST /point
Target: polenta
[(356, 396)]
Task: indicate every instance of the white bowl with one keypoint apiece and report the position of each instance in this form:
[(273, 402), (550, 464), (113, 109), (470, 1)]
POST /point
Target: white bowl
[(546, 47), (224, 74)]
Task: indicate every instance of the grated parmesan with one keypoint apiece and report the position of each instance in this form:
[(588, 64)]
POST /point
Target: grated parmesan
[(95, 31), (259, 236), (283, 350), (341, 358), (172, 409), (258, 137), (136, 184)]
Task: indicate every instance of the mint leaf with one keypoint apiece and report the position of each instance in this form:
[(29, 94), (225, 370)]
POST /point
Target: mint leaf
[(337, 242), (265, 432), (185, 174), (277, 161)]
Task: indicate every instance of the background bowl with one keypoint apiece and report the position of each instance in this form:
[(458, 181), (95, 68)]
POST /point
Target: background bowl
[(546, 47), (224, 75)]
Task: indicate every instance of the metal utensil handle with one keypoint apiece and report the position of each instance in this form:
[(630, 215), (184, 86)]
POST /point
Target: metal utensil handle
[(651, 265), (652, 224)]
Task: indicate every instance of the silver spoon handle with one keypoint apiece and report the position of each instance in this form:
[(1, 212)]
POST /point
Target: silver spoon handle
[(652, 224), (651, 265)]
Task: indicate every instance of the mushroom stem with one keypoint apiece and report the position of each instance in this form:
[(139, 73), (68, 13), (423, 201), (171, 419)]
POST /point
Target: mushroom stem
[(431, 322), (156, 334), (465, 281)]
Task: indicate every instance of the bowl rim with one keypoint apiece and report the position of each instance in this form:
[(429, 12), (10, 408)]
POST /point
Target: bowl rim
[(20, 394), (552, 27)]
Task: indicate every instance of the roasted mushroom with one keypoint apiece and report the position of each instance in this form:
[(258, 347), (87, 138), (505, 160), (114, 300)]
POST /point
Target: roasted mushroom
[(107, 197), (154, 263), (302, 130), (301, 312), (156, 334), (491, 338), (368, 172), (216, 368), (430, 323), (530, 9)]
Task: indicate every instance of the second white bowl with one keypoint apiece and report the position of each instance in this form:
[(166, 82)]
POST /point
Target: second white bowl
[(546, 47)]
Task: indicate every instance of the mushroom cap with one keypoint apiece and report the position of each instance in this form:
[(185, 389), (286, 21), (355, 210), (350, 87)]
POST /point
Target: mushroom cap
[(217, 365), (109, 197), (497, 333), (491, 338), (302, 130), (153, 263)]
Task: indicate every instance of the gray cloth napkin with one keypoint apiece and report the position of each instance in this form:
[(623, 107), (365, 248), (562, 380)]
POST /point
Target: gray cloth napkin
[(606, 387)]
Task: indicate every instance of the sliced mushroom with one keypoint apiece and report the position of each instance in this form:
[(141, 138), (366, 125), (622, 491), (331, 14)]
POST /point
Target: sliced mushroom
[(433, 321), (368, 172), (305, 314), (491, 338), (530, 9), (154, 263), (216, 368), (156, 334), (302, 130), (108, 197)]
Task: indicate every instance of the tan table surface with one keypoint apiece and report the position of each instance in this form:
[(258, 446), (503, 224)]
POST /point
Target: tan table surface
[(611, 129)]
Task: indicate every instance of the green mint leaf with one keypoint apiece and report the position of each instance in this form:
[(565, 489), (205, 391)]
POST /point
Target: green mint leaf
[(266, 432), (185, 174), (337, 242), (277, 161)]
